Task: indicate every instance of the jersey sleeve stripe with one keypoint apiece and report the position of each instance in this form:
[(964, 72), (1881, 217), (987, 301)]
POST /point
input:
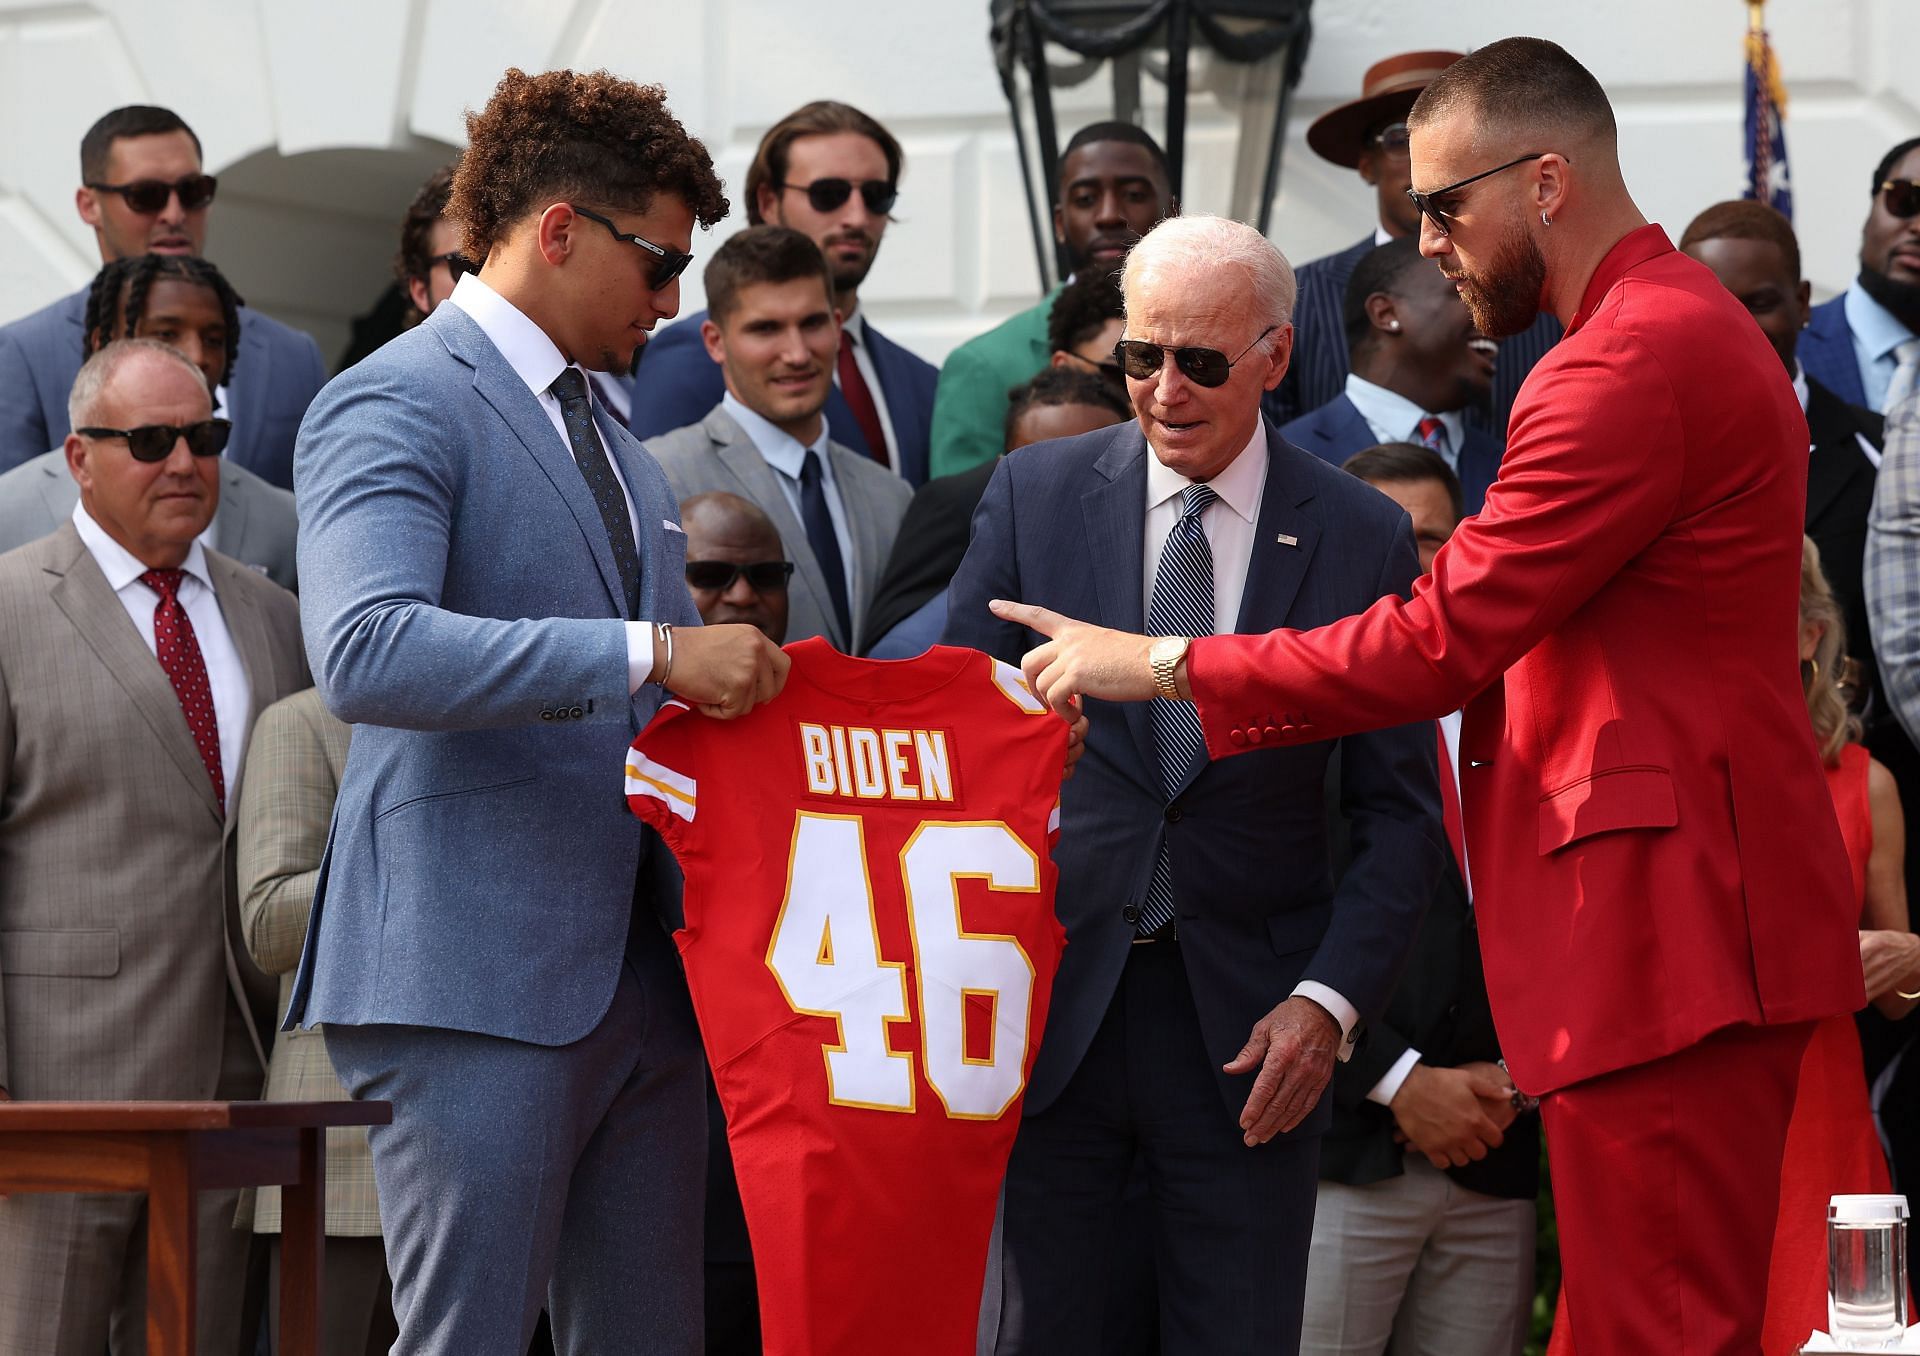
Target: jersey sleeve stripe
[(1013, 685), (675, 790)]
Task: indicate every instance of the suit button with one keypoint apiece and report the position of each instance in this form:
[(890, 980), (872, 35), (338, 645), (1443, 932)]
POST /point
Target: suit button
[(1274, 731), (1174, 814), (1130, 915), (547, 714), (574, 713), (1237, 738), (1255, 735)]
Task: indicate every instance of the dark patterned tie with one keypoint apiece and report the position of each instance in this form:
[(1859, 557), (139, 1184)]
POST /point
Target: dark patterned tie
[(576, 412), (1182, 605), (818, 520), (178, 650)]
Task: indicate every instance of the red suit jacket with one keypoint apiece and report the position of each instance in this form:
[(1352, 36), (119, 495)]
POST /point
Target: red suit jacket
[(1654, 851)]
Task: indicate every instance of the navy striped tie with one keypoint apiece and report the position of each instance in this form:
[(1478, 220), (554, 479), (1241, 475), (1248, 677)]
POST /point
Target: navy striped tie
[(1182, 605)]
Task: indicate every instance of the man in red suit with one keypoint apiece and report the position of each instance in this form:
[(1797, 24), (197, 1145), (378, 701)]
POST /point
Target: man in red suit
[(1663, 895)]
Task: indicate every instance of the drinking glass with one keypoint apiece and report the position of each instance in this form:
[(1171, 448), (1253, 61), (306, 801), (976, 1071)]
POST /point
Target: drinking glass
[(1867, 1271)]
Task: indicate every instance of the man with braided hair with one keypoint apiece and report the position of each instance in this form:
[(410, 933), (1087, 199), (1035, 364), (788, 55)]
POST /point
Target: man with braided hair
[(486, 946), (185, 303), (143, 192)]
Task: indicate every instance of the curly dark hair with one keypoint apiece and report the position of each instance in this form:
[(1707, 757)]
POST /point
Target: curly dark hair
[(1083, 309), (560, 135), (1061, 386), (427, 207), (109, 317)]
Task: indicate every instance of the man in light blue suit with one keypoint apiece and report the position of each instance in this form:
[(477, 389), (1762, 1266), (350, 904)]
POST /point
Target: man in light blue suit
[(831, 172), (143, 192), (1417, 364), (494, 597)]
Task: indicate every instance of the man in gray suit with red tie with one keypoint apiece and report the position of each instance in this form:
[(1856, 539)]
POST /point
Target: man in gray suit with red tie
[(132, 664)]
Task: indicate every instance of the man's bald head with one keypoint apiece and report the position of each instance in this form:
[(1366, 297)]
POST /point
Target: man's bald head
[(1521, 89), (728, 535)]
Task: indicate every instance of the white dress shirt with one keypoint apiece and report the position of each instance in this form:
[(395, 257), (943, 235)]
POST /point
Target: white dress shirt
[(226, 675), (1395, 419), (538, 361), (1876, 334), (856, 327), (1229, 523), (786, 454)]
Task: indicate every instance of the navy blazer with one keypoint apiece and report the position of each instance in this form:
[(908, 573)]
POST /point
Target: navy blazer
[(1061, 525), (1318, 370), (1826, 351), (276, 376), (677, 383), (1337, 430)]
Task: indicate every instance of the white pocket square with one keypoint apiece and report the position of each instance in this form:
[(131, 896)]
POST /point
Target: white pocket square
[(672, 526)]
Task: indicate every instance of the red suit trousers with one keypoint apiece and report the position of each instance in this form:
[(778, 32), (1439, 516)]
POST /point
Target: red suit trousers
[(1666, 1184)]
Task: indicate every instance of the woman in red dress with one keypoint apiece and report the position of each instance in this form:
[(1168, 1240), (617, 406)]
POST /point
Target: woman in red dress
[(1832, 1147)]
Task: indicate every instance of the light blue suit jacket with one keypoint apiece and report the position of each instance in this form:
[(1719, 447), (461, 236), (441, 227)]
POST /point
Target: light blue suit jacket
[(461, 608), (277, 373)]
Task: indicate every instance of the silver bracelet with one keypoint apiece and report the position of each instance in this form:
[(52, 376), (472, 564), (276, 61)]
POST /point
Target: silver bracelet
[(665, 631)]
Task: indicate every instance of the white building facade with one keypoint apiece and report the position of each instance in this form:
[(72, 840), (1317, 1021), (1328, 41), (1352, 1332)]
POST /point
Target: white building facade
[(321, 120)]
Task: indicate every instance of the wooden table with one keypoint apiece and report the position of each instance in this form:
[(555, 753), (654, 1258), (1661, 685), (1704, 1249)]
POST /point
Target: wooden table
[(173, 1151)]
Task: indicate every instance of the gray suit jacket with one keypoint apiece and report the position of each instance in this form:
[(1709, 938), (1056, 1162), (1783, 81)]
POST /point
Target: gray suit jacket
[(277, 373), (255, 523), (463, 611), (717, 454), (115, 875)]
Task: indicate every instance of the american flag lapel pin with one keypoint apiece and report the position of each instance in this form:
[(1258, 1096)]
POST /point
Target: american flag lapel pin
[(1285, 540)]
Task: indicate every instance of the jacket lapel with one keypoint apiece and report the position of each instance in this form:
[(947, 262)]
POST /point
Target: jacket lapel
[(1836, 460), (80, 591), (500, 386), (1115, 515), (249, 632), (863, 526), (760, 484), (255, 366), (230, 519)]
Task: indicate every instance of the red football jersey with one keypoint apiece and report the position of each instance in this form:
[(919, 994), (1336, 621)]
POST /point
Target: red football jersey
[(870, 941)]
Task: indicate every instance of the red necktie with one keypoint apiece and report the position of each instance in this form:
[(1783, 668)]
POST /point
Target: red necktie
[(1450, 805), (179, 653), (859, 399)]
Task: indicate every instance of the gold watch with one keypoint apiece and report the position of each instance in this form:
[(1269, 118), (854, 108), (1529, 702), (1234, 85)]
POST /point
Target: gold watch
[(1163, 657)]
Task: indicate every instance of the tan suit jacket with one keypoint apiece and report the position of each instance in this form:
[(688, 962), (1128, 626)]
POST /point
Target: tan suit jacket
[(119, 949), (294, 765)]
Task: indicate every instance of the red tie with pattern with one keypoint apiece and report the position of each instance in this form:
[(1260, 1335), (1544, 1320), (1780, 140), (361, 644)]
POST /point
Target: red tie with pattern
[(859, 399), (179, 653)]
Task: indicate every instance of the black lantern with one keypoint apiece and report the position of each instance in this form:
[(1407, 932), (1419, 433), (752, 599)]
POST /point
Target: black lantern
[(1232, 64)]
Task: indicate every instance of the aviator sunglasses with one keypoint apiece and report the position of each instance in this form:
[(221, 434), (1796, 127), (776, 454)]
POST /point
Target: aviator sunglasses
[(668, 264), (1901, 198), (147, 196), (828, 195), (717, 576), (1438, 212), (154, 442), (1201, 366)]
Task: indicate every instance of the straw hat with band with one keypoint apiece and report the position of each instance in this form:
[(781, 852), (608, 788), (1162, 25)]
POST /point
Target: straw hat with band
[(1386, 96)]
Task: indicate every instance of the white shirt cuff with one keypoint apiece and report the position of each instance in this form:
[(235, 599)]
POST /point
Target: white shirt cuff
[(639, 654), (1390, 1081), (1343, 1011)]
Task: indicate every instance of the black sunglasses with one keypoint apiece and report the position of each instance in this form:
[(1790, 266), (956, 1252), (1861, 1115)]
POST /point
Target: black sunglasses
[(1202, 366), (1429, 203), (668, 263), (828, 195), (154, 442), (458, 265), (717, 576), (1901, 197), (147, 196), (1392, 138)]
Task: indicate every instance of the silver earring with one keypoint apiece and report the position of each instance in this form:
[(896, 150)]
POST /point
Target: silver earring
[(1545, 220), (1393, 325)]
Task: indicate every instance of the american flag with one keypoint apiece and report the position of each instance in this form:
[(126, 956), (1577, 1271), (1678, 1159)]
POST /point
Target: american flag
[(1766, 147)]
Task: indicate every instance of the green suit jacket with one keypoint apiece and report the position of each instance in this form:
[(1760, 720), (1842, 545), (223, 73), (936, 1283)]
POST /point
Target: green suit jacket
[(970, 407)]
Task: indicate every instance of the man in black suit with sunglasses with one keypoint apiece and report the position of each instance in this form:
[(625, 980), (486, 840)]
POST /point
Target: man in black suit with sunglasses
[(832, 173), (143, 191), (1864, 345)]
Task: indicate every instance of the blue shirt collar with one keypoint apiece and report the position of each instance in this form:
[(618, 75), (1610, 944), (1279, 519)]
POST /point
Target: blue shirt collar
[(1874, 326), (778, 448)]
